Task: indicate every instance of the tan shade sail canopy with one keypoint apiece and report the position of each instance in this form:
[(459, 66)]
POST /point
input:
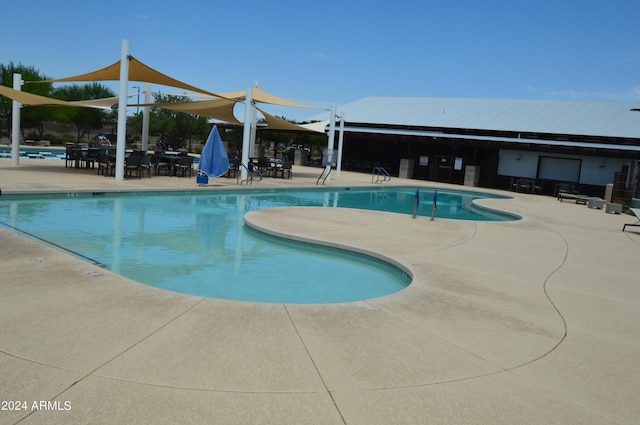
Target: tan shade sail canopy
[(137, 72), (220, 109), (33, 99), (275, 123), (318, 127), (261, 96), (104, 103)]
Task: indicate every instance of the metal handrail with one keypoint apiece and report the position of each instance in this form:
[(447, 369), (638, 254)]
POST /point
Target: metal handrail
[(379, 174), (249, 180), (249, 174), (325, 177)]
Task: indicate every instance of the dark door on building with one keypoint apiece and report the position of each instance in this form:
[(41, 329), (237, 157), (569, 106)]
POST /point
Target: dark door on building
[(444, 165)]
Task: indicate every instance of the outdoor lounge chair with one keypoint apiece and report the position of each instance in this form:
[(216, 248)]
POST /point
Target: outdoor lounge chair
[(580, 199), (636, 212)]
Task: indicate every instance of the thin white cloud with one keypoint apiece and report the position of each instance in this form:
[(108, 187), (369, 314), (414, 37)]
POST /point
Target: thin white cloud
[(324, 57)]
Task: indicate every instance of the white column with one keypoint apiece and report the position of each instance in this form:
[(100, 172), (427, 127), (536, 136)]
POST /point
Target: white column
[(15, 122), (122, 110), (332, 132), (254, 120), (145, 117), (340, 143), (246, 134)]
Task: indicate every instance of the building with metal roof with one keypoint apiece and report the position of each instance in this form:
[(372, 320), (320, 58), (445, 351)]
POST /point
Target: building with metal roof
[(491, 142)]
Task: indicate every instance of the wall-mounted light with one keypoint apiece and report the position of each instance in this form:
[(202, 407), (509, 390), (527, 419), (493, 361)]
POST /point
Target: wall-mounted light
[(518, 157), (601, 164)]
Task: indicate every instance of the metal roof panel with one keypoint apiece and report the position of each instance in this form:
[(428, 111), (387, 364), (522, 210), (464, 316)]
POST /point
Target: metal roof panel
[(609, 119)]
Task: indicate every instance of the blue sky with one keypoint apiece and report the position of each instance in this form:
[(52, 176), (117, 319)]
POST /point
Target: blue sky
[(336, 52)]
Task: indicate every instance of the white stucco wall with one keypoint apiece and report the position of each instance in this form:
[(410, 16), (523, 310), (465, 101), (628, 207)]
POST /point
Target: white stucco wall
[(594, 170)]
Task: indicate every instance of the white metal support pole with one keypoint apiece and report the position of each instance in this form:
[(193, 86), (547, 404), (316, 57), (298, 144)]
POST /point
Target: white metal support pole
[(332, 133), (340, 143), (122, 110), (145, 117), (254, 121), (246, 134), (15, 122)]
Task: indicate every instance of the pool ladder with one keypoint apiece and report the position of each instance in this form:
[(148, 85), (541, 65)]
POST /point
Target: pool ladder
[(325, 177), (249, 179), (380, 175)]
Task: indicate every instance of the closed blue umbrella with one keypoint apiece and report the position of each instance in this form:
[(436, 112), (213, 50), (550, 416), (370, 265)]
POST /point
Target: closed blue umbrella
[(214, 160)]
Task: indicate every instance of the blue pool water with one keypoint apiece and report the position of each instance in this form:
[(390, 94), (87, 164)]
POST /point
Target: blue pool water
[(35, 153), (196, 243), (45, 153)]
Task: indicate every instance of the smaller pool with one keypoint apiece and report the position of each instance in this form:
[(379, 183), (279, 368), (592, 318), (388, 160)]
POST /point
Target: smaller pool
[(35, 153), (40, 153)]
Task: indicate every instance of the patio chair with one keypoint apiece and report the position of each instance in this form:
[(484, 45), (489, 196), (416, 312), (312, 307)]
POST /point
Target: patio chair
[(69, 156), (92, 157), (283, 169), (160, 163), (536, 186), (78, 157), (524, 185), (234, 164), (636, 212), (265, 166), (513, 184), (561, 188), (133, 163), (105, 166), (184, 164), (147, 164)]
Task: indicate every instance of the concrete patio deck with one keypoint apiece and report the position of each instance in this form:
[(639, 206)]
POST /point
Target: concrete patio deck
[(535, 321)]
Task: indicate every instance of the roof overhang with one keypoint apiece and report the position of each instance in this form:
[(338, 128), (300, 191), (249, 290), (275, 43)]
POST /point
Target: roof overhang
[(509, 140)]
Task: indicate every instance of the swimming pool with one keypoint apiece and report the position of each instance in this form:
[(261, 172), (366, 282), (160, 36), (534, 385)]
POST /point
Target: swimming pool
[(197, 243), (35, 153), (47, 153)]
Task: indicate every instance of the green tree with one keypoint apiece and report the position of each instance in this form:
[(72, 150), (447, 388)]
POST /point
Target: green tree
[(31, 116), (85, 120), (287, 138), (178, 127)]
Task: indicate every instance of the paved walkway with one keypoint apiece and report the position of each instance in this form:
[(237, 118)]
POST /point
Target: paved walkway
[(535, 321)]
